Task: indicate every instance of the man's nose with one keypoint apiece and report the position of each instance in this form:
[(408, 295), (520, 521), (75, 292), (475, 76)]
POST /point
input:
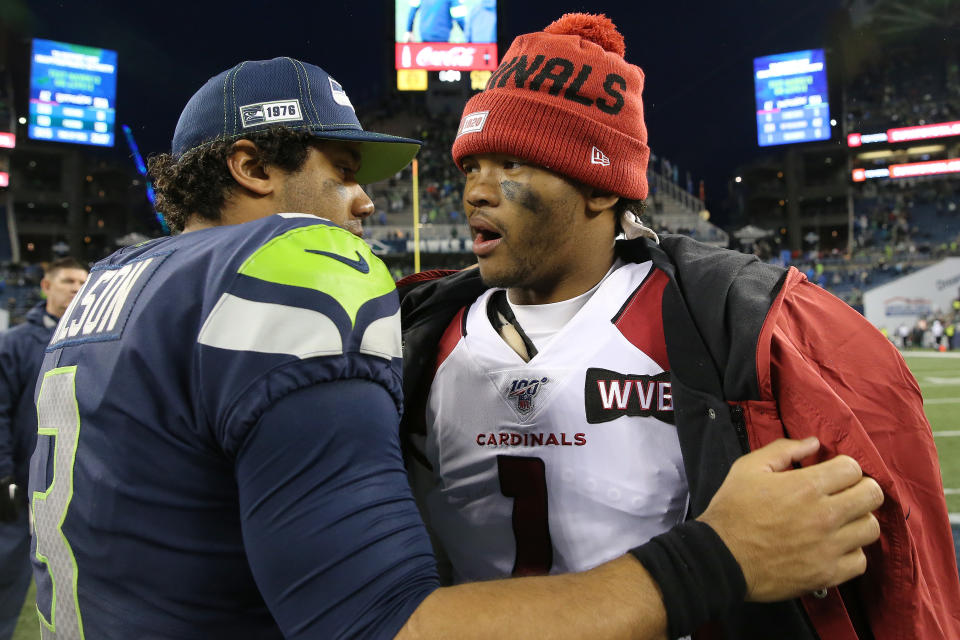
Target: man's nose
[(362, 204), (482, 190)]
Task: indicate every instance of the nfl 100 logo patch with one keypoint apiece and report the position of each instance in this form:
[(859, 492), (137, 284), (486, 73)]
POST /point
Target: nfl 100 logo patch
[(524, 391)]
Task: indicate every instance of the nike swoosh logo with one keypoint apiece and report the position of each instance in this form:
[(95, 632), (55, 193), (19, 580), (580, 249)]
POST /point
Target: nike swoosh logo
[(359, 264)]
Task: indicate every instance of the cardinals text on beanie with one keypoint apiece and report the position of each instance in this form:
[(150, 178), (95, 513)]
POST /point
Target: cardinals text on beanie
[(565, 99)]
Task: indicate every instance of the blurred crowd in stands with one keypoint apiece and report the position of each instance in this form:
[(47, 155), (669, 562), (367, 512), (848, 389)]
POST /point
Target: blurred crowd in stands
[(914, 87), (19, 289), (909, 215)]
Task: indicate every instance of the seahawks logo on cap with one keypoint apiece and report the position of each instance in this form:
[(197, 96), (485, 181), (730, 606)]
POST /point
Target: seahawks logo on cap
[(252, 115), (339, 95)]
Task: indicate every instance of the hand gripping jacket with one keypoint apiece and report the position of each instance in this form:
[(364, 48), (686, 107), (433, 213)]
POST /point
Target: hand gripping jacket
[(758, 353)]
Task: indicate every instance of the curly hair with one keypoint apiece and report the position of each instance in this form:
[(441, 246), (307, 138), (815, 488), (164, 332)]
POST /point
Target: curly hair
[(199, 182)]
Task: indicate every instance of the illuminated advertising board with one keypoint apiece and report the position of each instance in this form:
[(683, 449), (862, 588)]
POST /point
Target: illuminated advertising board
[(907, 134), (791, 97), (438, 35), (909, 170), (73, 93)]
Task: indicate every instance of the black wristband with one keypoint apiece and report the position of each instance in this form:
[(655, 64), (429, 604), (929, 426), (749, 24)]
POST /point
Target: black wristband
[(698, 576)]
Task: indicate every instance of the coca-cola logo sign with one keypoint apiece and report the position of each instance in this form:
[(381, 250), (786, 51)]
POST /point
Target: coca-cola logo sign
[(437, 56)]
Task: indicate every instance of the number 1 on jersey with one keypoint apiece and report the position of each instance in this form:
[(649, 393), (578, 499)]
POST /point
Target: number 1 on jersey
[(525, 480)]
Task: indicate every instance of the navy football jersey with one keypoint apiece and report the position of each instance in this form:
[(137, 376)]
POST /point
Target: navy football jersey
[(185, 485)]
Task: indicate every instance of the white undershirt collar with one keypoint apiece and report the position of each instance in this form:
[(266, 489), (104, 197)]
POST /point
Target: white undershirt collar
[(541, 322)]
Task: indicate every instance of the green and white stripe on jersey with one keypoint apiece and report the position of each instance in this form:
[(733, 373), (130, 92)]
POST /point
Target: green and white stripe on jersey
[(320, 257)]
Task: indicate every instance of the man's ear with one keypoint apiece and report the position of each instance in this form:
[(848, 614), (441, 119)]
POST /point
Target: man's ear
[(599, 201), (246, 168), (45, 284)]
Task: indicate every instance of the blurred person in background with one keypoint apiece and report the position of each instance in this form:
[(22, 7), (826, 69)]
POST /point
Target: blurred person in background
[(482, 22), (21, 354), (219, 451), (437, 18), (575, 396)]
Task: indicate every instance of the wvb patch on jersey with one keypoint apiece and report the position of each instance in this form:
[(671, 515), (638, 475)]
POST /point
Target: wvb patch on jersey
[(609, 395), (101, 308)]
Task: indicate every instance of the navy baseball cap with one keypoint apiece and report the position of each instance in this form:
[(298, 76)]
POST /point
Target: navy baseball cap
[(260, 94)]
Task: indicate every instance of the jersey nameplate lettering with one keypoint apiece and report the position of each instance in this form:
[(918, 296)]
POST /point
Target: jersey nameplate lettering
[(101, 308)]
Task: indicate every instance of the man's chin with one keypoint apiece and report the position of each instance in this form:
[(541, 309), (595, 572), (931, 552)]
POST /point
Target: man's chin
[(495, 278)]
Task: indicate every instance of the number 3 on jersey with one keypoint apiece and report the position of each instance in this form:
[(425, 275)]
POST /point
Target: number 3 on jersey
[(524, 479), (58, 416)]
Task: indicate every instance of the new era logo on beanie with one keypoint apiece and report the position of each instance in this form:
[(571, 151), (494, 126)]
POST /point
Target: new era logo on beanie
[(260, 94), (559, 97), (599, 157)]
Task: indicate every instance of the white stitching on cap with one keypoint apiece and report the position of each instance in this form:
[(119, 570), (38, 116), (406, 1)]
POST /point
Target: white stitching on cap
[(226, 79), (310, 93), (234, 92), (299, 84)]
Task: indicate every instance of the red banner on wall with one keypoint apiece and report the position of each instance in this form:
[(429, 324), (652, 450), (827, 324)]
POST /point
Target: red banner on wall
[(438, 56)]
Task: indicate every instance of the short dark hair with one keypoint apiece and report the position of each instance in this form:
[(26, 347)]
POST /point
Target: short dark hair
[(67, 262), (199, 181)]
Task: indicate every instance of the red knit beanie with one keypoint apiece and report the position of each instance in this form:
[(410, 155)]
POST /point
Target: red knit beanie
[(565, 99)]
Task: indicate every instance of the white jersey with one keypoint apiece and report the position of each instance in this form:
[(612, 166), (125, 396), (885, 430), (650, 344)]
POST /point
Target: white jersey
[(566, 461)]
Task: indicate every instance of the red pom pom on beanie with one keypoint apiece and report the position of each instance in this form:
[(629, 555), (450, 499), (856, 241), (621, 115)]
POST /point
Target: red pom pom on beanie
[(598, 29)]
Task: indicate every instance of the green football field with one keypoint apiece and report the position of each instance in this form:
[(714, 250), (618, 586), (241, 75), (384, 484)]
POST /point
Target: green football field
[(939, 378)]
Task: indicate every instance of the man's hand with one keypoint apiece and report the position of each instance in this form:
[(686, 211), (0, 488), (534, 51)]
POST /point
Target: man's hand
[(8, 499), (798, 530)]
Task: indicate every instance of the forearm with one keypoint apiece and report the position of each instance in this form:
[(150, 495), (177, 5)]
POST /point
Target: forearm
[(615, 600)]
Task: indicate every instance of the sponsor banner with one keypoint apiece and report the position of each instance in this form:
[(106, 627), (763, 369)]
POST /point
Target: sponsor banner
[(933, 167), (438, 56), (924, 132), (909, 170), (906, 134)]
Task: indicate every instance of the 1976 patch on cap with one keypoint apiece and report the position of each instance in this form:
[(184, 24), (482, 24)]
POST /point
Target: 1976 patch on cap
[(472, 122), (265, 112)]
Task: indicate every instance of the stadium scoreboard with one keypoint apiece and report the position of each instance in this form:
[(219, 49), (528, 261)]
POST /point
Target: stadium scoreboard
[(73, 92), (446, 36), (791, 97)]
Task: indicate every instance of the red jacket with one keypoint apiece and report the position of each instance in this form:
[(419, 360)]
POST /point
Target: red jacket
[(824, 371)]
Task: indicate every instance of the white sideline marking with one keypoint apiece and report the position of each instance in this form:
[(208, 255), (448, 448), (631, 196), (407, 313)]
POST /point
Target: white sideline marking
[(932, 380), (947, 433), (931, 354), (942, 401), (952, 492), (954, 518)]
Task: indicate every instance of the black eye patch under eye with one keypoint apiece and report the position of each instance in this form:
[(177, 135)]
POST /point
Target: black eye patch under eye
[(523, 196)]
